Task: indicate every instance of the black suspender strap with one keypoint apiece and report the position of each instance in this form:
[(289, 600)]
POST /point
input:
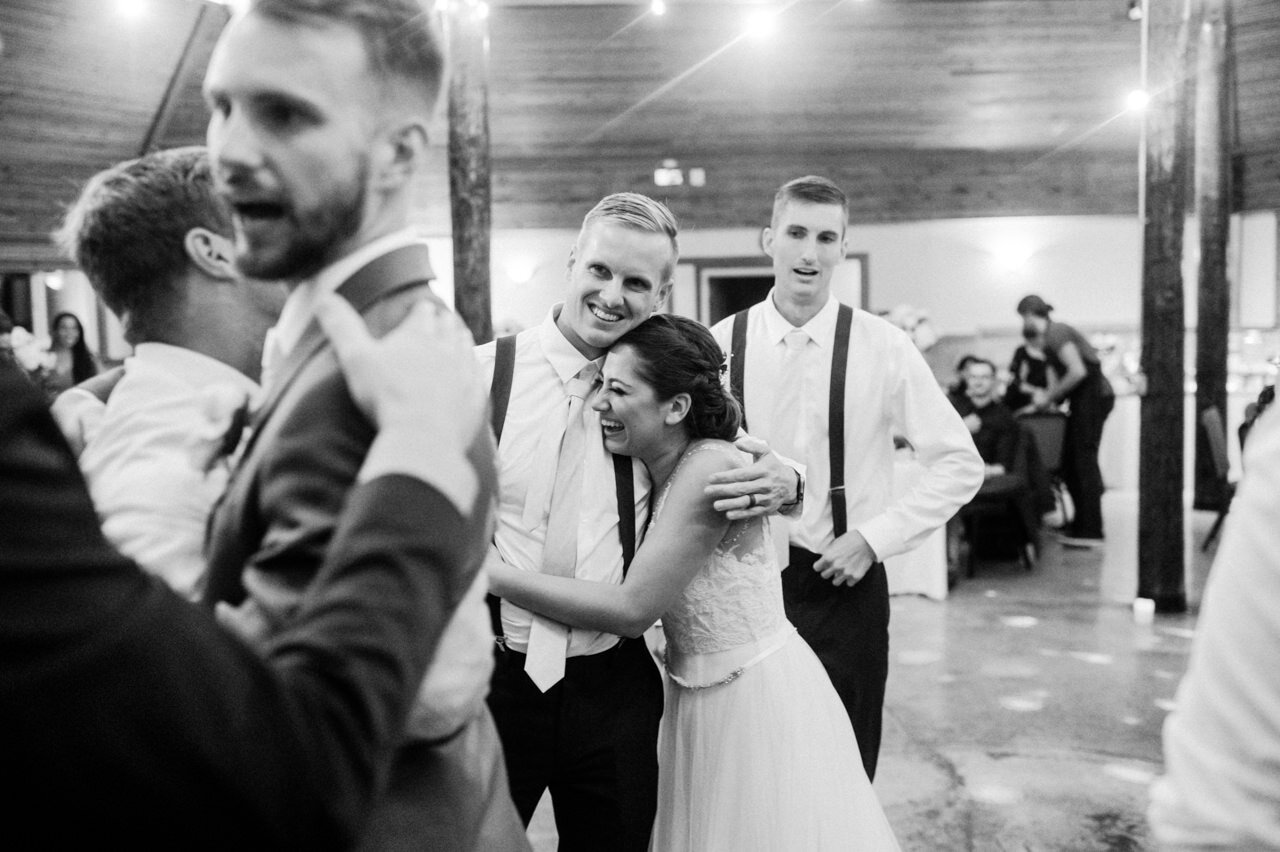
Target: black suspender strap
[(738, 362), (504, 366), (835, 420), (625, 488)]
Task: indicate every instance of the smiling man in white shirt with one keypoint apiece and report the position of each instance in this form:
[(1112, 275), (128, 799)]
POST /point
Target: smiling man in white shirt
[(578, 710), (156, 245), (783, 359)]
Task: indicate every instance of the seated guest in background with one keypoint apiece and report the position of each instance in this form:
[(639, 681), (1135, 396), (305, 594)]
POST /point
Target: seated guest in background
[(957, 390), (156, 245), (1028, 373), (73, 362), (996, 434), (129, 718)]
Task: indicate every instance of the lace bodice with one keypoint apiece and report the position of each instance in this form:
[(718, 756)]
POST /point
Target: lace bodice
[(736, 597)]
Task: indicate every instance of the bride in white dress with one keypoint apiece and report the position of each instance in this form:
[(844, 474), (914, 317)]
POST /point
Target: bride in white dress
[(756, 751)]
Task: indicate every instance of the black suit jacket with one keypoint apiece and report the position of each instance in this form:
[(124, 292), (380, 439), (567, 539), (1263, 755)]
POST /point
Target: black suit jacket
[(308, 441), (274, 525), (128, 717)]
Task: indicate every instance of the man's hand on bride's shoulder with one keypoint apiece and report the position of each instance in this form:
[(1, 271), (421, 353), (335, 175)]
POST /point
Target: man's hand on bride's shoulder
[(764, 487)]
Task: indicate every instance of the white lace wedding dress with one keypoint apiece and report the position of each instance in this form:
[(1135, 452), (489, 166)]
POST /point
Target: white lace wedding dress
[(756, 751)]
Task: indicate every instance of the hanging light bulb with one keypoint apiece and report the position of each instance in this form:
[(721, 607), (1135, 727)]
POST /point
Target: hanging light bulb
[(658, 7), (761, 23)]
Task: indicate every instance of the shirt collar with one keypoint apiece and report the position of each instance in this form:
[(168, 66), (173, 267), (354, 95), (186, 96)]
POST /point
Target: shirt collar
[(821, 327), (565, 359), (300, 306), (190, 366)]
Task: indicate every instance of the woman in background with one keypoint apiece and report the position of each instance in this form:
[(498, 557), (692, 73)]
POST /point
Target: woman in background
[(74, 363)]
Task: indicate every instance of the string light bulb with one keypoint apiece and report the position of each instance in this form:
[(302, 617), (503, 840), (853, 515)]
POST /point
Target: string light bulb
[(1137, 100), (761, 23), (131, 8), (658, 7)]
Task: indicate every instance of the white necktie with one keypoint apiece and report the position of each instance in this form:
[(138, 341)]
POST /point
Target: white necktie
[(549, 640), (788, 437)]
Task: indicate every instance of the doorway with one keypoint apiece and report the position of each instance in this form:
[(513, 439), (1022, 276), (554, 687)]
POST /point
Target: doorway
[(728, 294)]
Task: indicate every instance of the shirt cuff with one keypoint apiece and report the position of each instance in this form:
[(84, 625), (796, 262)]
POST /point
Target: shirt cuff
[(882, 536), (795, 508), (398, 450)]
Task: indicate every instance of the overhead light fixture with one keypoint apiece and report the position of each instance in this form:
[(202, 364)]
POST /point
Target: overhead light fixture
[(131, 8), (658, 7), (1137, 100), (1135, 10), (668, 174), (761, 23)]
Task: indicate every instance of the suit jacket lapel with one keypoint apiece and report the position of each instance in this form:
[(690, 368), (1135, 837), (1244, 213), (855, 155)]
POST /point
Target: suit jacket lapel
[(394, 271)]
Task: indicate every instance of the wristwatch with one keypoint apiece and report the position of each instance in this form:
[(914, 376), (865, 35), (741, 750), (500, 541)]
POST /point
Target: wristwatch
[(790, 508)]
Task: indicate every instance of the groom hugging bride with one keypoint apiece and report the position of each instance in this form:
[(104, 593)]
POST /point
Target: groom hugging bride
[(754, 747)]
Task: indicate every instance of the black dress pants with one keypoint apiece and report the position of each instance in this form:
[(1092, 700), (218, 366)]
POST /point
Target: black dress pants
[(592, 739), (1091, 402), (848, 628)]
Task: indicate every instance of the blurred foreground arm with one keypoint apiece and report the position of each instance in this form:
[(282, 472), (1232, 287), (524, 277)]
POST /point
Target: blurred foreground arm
[(166, 730)]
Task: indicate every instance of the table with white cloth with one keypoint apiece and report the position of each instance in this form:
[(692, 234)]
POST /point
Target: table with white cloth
[(922, 571)]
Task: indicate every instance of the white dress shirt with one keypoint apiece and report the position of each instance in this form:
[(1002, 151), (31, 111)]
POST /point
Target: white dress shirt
[(78, 414), (889, 390), (544, 362), (1221, 787), (149, 491)]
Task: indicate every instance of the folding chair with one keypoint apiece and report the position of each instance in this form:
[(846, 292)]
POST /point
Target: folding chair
[(1049, 428)]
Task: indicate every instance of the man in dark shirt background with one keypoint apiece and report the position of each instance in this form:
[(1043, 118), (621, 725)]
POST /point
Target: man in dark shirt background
[(996, 435)]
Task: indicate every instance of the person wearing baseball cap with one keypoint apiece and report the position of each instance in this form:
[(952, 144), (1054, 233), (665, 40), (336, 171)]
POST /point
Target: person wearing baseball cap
[(1077, 380)]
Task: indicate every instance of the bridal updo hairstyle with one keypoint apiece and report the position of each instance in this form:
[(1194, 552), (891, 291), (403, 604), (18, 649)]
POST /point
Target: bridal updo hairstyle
[(677, 355)]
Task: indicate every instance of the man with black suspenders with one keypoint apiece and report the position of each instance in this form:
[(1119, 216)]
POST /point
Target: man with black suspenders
[(830, 387), (578, 711)]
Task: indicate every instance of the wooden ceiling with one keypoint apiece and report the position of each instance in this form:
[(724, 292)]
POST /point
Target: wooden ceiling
[(919, 108)]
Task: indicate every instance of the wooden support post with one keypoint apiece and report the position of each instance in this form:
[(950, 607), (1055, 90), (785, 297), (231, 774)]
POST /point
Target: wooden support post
[(182, 74), (1213, 205), (1160, 462), (467, 34)]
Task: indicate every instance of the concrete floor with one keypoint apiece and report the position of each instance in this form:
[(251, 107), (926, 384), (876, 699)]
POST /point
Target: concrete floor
[(1024, 712)]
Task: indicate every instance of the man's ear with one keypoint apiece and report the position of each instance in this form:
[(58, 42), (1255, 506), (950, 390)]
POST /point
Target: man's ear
[(402, 152), (664, 292), (678, 408), (766, 240), (210, 253)]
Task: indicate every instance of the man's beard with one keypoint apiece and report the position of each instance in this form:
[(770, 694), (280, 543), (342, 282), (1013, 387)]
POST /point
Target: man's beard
[(310, 244)]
